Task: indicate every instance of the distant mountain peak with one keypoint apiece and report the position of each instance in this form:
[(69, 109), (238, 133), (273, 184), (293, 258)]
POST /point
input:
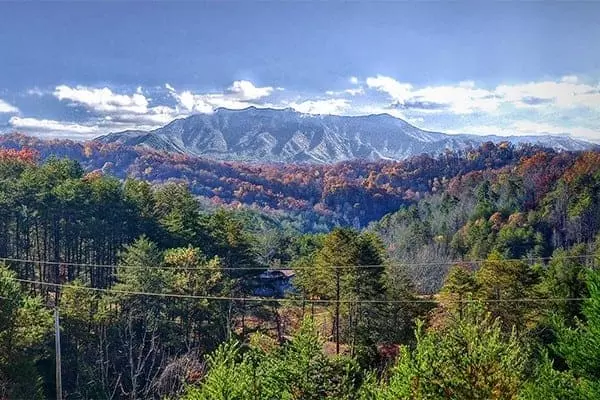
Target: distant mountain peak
[(285, 135)]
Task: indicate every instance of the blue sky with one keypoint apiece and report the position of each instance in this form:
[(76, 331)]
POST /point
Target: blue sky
[(80, 69)]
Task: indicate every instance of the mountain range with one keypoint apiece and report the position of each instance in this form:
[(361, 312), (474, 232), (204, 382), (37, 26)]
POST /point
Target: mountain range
[(285, 135)]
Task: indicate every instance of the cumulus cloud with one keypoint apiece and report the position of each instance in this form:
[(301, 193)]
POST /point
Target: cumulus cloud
[(566, 93), (103, 100), (245, 90), (399, 92), (241, 94), (49, 125), (329, 106), (463, 98), (133, 109), (523, 108), (6, 108)]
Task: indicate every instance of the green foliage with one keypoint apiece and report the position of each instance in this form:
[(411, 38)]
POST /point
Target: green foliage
[(460, 285), (580, 346), (298, 370), (469, 359), (565, 277), (362, 325), (500, 279), (129, 345), (25, 324), (518, 242), (550, 384)]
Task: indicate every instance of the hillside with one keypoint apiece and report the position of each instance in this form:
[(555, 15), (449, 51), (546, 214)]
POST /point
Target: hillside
[(350, 193), (270, 135), (514, 229)]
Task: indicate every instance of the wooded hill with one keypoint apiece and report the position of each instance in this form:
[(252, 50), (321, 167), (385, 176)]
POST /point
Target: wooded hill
[(154, 289), (318, 197)]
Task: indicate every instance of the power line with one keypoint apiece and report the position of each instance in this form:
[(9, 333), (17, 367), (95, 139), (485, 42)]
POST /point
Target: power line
[(391, 265), (276, 300)]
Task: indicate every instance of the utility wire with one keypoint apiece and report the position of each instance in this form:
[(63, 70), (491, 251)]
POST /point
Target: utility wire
[(391, 265), (276, 300)]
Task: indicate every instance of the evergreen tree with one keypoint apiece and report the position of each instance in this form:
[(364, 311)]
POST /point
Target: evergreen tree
[(25, 325)]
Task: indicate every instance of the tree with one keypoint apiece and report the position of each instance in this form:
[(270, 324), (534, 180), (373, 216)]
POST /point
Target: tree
[(143, 328), (351, 266), (565, 277), (25, 324), (580, 346), (460, 286), (549, 384), (178, 213), (298, 370), (504, 282), (469, 359)]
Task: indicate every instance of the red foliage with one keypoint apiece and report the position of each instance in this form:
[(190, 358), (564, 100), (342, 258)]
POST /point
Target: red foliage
[(25, 155)]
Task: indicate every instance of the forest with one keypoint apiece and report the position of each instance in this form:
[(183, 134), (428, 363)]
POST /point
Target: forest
[(477, 280), (311, 197)]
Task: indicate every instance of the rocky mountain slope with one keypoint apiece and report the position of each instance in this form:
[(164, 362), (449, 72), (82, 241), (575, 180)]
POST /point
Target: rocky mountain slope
[(269, 135)]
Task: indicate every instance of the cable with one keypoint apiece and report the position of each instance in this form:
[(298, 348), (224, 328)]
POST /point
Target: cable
[(374, 266), (260, 299)]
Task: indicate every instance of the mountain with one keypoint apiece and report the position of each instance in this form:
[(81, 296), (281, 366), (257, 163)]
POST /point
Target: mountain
[(269, 135)]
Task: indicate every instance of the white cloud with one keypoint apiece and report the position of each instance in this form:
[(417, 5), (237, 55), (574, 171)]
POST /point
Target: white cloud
[(48, 125), (103, 100), (399, 92), (36, 91), (329, 106), (133, 109), (245, 90), (241, 94), (156, 116), (476, 130), (464, 98), (566, 93), (529, 127), (6, 108), (351, 92), (355, 92), (467, 98), (570, 79), (511, 109)]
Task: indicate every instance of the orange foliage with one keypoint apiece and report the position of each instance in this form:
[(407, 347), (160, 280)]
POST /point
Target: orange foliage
[(587, 164), (25, 155)]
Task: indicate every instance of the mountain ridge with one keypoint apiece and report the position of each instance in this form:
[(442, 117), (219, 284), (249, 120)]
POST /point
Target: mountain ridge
[(285, 135)]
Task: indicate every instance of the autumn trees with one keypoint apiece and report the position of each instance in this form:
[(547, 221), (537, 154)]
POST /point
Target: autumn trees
[(152, 280)]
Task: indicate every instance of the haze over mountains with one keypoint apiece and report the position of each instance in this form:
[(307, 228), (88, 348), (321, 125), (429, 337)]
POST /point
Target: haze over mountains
[(285, 135)]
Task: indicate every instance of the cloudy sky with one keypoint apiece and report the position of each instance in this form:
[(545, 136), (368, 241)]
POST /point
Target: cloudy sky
[(81, 69)]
